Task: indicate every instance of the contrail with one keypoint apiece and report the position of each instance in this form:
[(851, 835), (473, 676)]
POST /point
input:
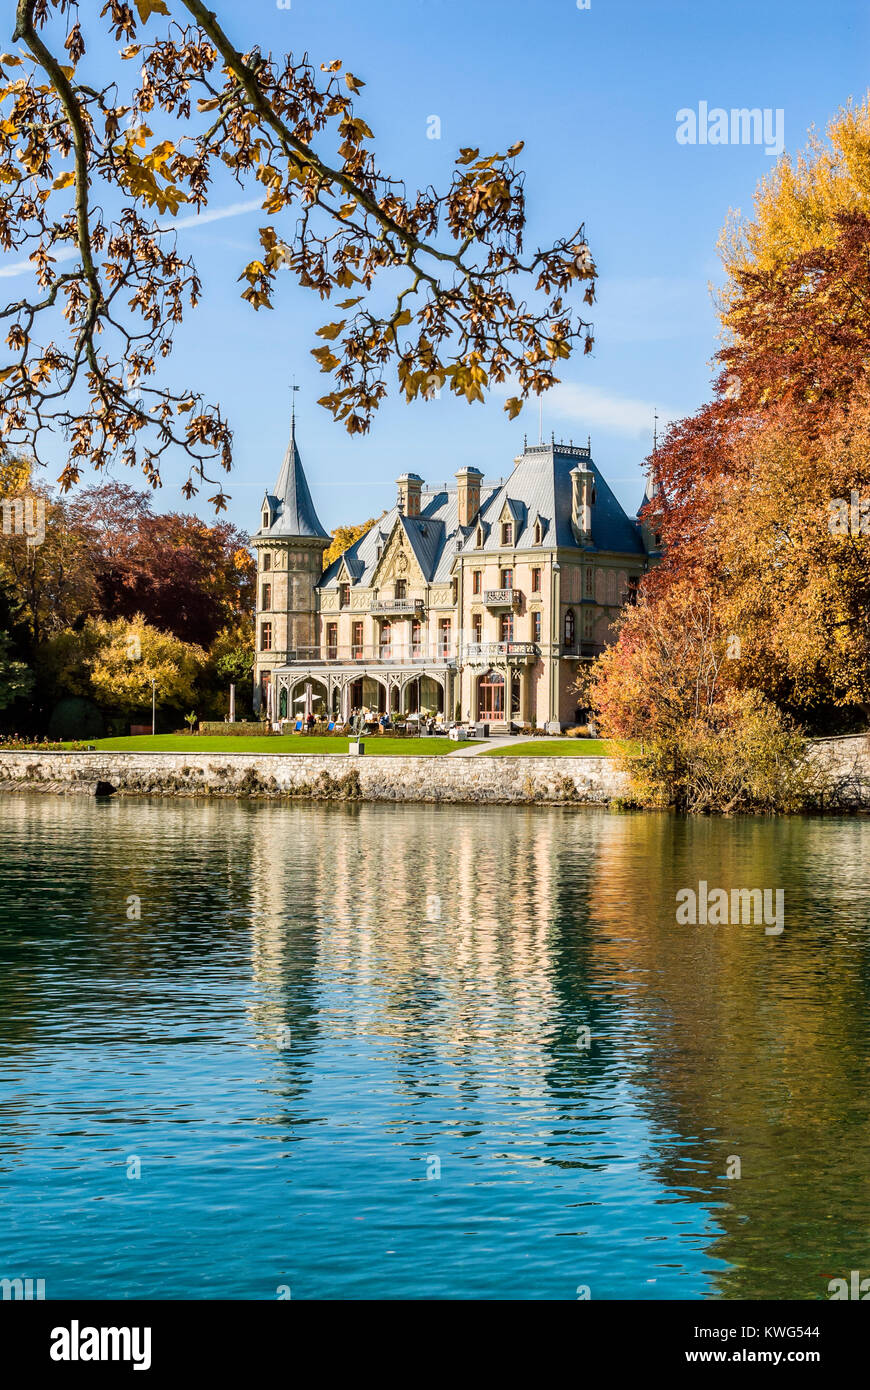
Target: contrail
[(69, 253)]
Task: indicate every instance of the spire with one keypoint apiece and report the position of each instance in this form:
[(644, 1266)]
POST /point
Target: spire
[(294, 513)]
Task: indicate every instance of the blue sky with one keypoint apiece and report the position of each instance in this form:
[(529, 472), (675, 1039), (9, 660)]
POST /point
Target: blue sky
[(594, 93)]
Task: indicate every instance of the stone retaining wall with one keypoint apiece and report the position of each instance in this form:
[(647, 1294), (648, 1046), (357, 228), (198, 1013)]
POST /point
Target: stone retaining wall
[(325, 777), (552, 781)]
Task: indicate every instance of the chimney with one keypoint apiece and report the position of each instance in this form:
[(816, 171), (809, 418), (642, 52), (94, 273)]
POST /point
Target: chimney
[(582, 500), (468, 486), (409, 486)]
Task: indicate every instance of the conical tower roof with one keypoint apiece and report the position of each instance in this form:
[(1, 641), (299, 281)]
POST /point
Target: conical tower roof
[(293, 511)]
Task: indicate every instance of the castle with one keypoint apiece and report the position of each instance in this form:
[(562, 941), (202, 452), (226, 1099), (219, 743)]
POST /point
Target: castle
[(476, 601)]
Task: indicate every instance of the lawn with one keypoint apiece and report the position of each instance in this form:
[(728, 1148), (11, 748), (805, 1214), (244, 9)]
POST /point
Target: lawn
[(556, 748), (378, 746)]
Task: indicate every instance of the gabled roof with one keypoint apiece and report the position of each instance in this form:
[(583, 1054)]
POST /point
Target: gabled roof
[(433, 538), (541, 485), (291, 507)]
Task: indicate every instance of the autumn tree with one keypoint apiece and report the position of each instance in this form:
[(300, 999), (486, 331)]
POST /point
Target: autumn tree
[(343, 537), (692, 738), (745, 487), (181, 574), (131, 655), (50, 571), (438, 287)]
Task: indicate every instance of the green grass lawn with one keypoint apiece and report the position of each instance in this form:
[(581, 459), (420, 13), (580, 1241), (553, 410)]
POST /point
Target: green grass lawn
[(278, 743), (556, 748)]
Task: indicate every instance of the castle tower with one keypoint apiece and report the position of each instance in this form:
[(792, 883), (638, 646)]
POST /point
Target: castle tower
[(289, 546)]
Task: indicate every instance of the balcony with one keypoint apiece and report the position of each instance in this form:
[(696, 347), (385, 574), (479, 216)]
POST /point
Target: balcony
[(485, 653), (402, 606), (395, 653), (502, 598)]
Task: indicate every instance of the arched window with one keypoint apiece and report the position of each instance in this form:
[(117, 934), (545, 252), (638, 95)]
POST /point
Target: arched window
[(569, 628)]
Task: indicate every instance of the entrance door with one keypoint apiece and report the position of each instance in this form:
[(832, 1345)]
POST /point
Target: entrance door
[(490, 697)]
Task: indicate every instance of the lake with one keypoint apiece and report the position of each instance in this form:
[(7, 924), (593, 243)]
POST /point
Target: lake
[(370, 1051)]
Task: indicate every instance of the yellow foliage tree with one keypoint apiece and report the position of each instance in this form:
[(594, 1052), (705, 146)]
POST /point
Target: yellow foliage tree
[(131, 655), (796, 205), (343, 538)]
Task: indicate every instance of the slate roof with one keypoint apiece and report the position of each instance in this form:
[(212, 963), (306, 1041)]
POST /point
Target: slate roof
[(538, 487), (432, 538), (291, 506)]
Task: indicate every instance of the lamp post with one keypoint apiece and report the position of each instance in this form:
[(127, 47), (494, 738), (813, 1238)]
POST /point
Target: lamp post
[(153, 708)]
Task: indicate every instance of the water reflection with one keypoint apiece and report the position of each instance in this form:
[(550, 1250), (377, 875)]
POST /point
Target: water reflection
[(317, 1001)]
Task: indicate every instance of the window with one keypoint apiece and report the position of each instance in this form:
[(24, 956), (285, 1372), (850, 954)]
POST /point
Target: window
[(332, 641), (265, 521), (536, 581), (477, 627), (490, 696), (538, 533), (444, 637), (569, 628), (267, 561), (266, 598), (416, 638), (589, 581), (401, 588), (479, 538), (506, 627), (386, 641), (476, 577), (536, 626), (507, 533), (507, 579), (265, 637), (344, 595), (356, 639)]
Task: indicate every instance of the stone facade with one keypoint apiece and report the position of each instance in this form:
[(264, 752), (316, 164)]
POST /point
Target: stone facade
[(474, 601)]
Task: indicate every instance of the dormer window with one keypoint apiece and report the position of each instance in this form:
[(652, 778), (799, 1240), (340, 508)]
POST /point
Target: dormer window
[(479, 537), (266, 519), (344, 595), (538, 533), (507, 533)]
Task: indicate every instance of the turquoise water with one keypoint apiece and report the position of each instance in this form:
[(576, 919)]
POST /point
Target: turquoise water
[(343, 1049)]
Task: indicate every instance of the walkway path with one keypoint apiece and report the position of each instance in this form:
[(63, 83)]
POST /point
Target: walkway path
[(486, 745)]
